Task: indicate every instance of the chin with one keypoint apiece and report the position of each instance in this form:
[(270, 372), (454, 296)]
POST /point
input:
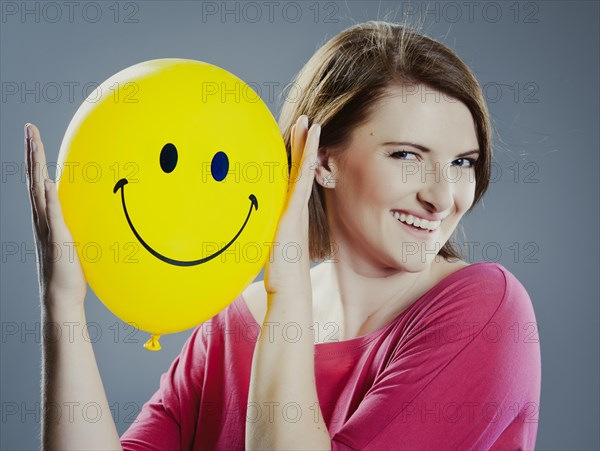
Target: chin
[(414, 263)]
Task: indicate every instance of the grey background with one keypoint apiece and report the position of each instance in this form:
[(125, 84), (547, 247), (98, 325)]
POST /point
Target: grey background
[(540, 70)]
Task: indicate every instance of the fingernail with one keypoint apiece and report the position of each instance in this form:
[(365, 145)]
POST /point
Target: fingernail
[(28, 132), (33, 146), (317, 128), (305, 120)]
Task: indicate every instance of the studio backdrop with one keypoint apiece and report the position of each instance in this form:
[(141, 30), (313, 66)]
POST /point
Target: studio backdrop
[(537, 62)]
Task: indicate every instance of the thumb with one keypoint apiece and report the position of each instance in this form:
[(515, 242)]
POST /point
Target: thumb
[(54, 217)]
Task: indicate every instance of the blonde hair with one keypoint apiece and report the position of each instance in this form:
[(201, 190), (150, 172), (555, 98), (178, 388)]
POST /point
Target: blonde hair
[(346, 77)]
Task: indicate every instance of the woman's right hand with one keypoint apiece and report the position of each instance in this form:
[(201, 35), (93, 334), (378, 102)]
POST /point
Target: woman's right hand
[(61, 278)]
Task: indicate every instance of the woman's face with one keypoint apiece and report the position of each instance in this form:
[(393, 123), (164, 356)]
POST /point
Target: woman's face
[(413, 159)]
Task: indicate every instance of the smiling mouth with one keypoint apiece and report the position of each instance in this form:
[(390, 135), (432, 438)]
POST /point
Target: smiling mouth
[(120, 186)]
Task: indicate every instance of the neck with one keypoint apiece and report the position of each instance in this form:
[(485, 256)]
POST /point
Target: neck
[(361, 296)]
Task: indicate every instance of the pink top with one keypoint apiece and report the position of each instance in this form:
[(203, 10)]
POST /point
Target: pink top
[(459, 369)]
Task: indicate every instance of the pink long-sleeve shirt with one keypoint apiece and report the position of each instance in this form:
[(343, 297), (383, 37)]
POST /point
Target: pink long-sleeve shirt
[(459, 369)]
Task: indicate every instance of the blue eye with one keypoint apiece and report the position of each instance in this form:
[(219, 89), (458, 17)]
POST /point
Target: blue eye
[(219, 166), (471, 162), (168, 157), (401, 153)]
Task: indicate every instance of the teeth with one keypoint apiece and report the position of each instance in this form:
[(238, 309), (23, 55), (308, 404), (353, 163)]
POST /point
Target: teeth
[(416, 222)]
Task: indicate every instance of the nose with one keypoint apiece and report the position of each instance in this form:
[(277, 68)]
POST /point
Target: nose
[(436, 193)]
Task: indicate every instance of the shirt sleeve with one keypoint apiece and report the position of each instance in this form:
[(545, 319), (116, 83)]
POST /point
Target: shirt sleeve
[(467, 376), (168, 419)]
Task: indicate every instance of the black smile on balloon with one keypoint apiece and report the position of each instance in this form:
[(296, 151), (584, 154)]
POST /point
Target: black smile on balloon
[(168, 160)]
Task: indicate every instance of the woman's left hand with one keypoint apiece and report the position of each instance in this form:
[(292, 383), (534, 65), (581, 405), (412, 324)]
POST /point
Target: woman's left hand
[(283, 369), (292, 275)]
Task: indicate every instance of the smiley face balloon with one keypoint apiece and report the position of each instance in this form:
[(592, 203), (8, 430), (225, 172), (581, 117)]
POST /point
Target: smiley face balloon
[(173, 176)]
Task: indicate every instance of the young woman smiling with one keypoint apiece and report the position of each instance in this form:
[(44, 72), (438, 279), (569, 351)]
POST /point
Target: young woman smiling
[(397, 343)]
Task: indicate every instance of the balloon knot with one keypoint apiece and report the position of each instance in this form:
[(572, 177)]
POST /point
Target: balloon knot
[(152, 344)]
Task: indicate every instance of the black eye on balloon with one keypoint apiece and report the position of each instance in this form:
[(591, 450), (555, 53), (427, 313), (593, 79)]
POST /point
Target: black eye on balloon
[(219, 166), (168, 157)]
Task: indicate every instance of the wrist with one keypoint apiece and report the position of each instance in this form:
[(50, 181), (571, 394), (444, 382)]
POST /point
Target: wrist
[(62, 306)]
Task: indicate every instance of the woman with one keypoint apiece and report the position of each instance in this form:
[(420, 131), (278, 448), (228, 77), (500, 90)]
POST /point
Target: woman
[(392, 342)]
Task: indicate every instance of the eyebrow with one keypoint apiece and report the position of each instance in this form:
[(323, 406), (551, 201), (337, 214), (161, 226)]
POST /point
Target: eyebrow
[(427, 149)]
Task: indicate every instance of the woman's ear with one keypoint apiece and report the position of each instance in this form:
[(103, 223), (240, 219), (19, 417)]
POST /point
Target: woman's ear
[(325, 172)]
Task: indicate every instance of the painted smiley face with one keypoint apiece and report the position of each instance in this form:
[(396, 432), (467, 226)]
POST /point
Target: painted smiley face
[(169, 164), (168, 161)]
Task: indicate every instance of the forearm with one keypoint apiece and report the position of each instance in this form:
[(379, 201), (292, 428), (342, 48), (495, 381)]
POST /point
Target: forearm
[(283, 376), (71, 386)]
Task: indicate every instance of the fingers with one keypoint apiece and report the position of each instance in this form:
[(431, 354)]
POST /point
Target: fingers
[(298, 142), (54, 215), (304, 155), (292, 135), (28, 166), (37, 172), (309, 162)]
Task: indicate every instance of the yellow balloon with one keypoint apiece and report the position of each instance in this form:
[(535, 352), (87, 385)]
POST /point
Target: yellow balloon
[(172, 176)]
